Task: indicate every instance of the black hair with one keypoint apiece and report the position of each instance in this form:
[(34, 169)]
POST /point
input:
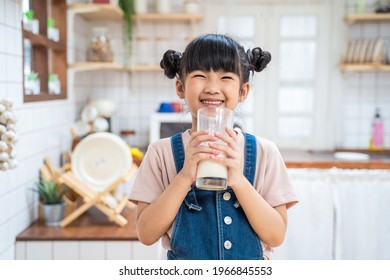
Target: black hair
[(214, 52)]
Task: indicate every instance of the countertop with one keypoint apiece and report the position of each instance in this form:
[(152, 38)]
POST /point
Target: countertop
[(95, 226), (326, 159)]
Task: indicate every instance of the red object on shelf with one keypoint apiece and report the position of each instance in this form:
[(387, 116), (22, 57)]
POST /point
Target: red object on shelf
[(101, 1)]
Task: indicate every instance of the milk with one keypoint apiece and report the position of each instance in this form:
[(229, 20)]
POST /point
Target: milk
[(211, 175)]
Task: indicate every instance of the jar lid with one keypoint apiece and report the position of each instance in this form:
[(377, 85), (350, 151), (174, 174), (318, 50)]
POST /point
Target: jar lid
[(142, 38), (160, 38)]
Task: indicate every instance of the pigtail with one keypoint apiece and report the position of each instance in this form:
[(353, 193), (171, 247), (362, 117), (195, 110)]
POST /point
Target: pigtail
[(171, 63), (258, 59)]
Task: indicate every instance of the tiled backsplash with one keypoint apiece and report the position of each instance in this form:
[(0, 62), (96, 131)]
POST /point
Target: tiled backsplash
[(364, 92)]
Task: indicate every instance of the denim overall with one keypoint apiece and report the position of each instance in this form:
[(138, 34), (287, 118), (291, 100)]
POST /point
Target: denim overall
[(212, 224)]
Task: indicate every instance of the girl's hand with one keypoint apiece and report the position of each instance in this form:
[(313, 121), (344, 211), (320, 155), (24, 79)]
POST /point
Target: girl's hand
[(194, 152), (233, 157)]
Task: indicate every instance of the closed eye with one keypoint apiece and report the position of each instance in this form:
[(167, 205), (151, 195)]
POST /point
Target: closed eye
[(227, 78)]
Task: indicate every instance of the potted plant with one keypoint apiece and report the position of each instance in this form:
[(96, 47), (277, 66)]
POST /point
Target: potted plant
[(32, 83), (51, 198), (127, 7)]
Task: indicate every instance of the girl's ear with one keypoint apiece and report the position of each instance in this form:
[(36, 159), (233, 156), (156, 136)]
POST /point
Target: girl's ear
[(244, 92), (179, 89)]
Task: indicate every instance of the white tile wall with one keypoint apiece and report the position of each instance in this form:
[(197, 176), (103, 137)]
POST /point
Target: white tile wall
[(363, 92), (43, 130)]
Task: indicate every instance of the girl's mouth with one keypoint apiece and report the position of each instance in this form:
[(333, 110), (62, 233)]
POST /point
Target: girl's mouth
[(212, 102)]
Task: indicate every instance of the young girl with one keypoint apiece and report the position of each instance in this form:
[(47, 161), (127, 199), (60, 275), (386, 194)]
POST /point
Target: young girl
[(249, 218)]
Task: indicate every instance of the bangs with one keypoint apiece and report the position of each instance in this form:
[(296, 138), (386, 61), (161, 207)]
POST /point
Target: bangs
[(212, 53)]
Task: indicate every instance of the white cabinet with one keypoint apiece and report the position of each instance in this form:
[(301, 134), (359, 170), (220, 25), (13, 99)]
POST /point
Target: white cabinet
[(342, 214), (85, 250)]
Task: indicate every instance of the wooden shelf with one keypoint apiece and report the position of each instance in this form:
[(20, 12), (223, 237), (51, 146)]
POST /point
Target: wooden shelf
[(112, 12), (143, 68), (97, 11), (364, 67), (169, 17), (97, 66), (367, 17), (46, 56)]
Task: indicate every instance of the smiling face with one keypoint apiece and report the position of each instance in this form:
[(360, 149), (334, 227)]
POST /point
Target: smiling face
[(211, 89), (214, 72)]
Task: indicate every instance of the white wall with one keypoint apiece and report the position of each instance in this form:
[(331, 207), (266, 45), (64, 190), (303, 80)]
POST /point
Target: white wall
[(43, 130)]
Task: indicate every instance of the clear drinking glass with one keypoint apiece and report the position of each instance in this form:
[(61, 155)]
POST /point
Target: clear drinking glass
[(212, 175)]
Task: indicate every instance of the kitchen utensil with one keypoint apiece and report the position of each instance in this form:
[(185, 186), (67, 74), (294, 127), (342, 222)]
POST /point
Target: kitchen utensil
[(105, 107), (101, 158)]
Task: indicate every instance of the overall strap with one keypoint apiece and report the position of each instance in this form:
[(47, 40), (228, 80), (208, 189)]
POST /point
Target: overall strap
[(250, 160), (250, 157), (178, 151), (178, 156)]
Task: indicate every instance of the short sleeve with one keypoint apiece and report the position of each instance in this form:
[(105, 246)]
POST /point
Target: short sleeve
[(278, 188), (148, 185)]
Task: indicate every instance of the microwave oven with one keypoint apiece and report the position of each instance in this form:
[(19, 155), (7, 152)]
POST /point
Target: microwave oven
[(164, 125)]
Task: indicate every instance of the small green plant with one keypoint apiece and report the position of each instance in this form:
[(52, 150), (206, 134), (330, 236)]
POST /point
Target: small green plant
[(127, 7), (29, 15), (49, 191), (32, 76), (53, 77), (50, 22)]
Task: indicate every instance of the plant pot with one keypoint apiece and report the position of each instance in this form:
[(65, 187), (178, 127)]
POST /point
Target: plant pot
[(53, 214)]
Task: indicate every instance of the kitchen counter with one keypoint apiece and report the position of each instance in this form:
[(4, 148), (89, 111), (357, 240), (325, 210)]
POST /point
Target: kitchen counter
[(326, 159), (94, 225)]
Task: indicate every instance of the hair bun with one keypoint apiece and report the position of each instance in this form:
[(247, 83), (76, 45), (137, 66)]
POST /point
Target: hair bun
[(171, 63), (258, 59)]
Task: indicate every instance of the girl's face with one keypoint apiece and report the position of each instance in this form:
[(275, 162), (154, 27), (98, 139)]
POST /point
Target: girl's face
[(211, 89)]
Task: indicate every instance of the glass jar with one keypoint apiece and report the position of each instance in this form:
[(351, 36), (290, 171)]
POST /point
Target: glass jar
[(164, 6), (99, 49), (191, 6)]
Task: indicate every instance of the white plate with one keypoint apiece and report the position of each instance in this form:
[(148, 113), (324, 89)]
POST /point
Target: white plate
[(101, 158), (377, 54), (356, 51), (81, 128), (351, 156), (370, 49), (351, 49), (363, 50)]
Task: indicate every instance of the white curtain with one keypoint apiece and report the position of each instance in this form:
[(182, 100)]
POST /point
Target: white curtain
[(342, 214)]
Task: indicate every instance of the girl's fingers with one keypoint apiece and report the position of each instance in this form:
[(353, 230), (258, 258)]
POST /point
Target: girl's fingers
[(197, 139), (230, 139)]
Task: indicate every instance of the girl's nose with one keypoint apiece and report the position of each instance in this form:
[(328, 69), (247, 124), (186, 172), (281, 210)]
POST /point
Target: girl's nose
[(212, 88)]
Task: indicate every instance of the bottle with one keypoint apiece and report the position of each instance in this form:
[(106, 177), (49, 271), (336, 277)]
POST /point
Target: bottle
[(376, 141)]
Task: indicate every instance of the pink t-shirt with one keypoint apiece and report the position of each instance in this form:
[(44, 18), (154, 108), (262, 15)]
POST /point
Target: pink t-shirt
[(158, 170)]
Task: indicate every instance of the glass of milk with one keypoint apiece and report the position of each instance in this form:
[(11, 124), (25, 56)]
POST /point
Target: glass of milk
[(212, 175)]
